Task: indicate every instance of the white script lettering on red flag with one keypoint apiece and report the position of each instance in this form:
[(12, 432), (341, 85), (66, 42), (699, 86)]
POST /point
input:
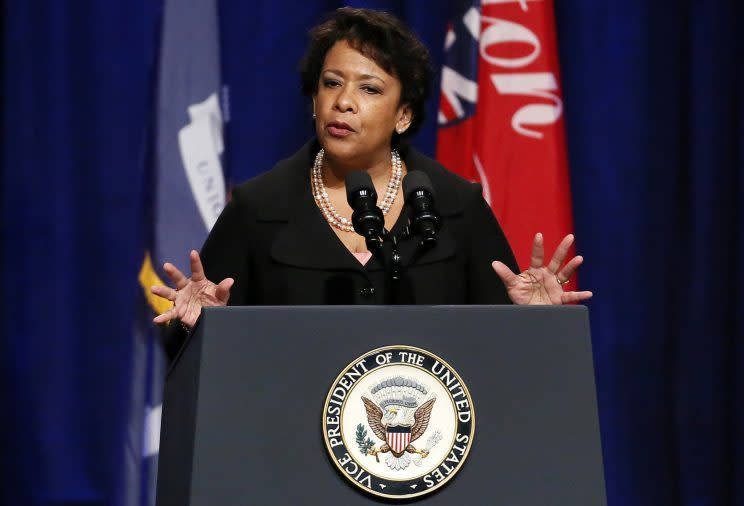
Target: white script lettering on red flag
[(501, 116)]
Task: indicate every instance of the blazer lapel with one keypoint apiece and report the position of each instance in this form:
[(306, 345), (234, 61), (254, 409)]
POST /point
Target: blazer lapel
[(309, 242), (306, 240)]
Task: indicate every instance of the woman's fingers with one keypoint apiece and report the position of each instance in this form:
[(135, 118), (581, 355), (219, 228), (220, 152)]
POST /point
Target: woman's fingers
[(505, 273), (197, 270), (165, 317), (165, 292), (222, 292), (175, 275), (560, 253), (538, 251), (573, 297), (570, 268)]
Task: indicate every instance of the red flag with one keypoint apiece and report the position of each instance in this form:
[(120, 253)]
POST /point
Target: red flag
[(501, 117)]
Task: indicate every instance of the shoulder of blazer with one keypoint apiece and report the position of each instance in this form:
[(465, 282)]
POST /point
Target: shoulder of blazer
[(273, 194)]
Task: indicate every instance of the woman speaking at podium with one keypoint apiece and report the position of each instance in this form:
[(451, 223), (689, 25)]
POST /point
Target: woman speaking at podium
[(286, 238)]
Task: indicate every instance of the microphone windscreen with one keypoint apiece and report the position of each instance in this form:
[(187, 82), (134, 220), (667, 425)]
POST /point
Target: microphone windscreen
[(356, 181), (417, 180)]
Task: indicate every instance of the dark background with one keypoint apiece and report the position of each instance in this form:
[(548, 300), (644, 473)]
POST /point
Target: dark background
[(654, 104)]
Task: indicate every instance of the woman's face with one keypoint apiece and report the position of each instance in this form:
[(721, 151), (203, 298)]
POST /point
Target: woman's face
[(357, 107)]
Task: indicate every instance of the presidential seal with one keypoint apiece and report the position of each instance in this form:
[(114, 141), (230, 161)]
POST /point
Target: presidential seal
[(398, 422)]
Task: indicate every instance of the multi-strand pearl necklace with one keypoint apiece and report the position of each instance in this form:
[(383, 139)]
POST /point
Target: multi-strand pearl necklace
[(324, 203)]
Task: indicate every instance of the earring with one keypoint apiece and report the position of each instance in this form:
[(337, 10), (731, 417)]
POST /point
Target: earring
[(313, 114)]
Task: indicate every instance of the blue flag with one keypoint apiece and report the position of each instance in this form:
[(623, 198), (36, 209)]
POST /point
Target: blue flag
[(188, 195)]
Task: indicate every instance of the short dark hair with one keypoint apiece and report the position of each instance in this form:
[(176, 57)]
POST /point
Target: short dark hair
[(384, 39)]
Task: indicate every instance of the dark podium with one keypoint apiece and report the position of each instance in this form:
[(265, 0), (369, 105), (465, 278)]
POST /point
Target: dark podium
[(243, 401)]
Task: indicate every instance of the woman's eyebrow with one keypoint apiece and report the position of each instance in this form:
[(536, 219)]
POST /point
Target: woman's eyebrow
[(361, 76)]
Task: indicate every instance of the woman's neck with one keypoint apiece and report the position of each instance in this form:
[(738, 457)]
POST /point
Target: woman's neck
[(335, 170)]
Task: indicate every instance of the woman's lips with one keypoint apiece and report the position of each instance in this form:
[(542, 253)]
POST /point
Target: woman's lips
[(338, 129)]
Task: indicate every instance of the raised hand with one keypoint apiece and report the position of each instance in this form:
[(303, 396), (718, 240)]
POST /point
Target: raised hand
[(191, 294), (540, 284)]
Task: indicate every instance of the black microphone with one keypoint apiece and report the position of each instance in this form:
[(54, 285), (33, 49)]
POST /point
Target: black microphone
[(419, 195), (367, 218)]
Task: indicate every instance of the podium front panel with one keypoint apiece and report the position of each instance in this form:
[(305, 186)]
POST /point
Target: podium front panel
[(243, 403)]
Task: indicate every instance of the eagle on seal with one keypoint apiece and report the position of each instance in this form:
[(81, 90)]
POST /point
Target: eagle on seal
[(398, 419)]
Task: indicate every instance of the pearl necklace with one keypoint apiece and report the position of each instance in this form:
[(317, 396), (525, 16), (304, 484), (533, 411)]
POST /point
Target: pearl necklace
[(324, 203)]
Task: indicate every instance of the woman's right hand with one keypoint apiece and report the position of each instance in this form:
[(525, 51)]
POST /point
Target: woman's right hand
[(191, 294)]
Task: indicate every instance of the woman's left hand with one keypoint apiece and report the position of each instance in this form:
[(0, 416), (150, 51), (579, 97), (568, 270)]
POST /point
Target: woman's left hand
[(540, 284)]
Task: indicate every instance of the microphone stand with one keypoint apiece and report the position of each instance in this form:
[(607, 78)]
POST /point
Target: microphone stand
[(367, 219), (385, 249), (392, 262), (386, 252)]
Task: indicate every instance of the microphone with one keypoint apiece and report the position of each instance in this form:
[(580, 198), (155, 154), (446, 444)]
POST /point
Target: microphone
[(367, 218), (419, 195)]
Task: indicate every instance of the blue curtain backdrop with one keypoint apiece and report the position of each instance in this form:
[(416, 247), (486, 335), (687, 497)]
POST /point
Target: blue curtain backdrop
[(654, 97), (76, 91), (655, 116)]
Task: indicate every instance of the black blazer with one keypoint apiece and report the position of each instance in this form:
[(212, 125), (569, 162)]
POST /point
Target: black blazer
[(274, 241)]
